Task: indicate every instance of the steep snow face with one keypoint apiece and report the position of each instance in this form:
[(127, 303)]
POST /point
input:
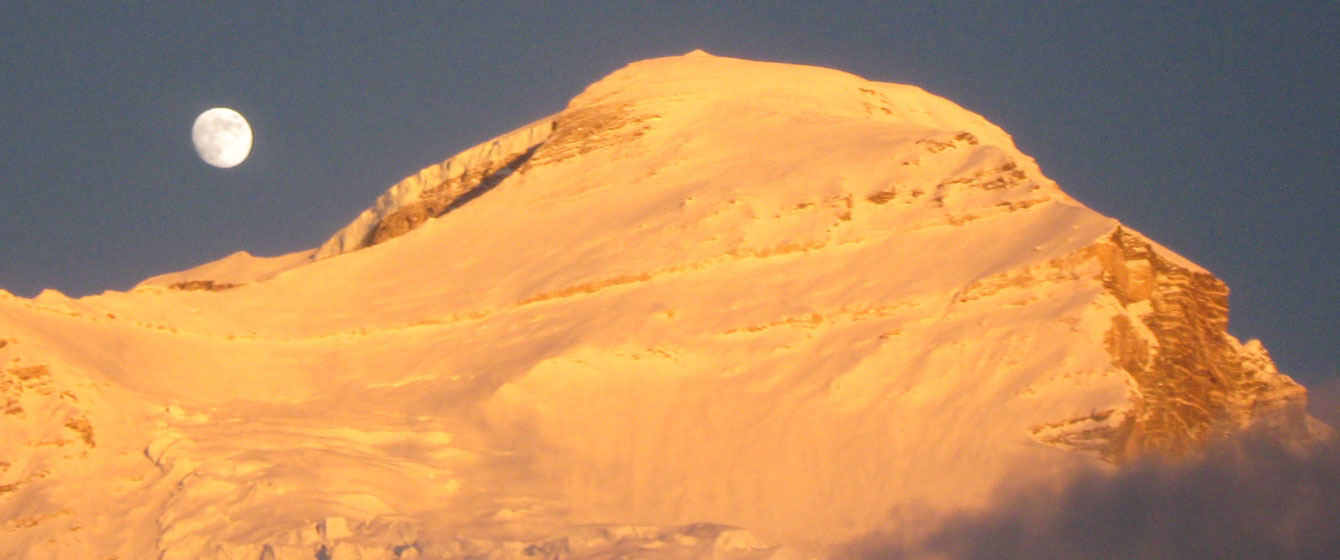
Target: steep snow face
[(710, 293)]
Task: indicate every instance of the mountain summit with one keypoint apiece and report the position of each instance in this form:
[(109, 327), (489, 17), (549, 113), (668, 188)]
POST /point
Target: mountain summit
[(714, 308)]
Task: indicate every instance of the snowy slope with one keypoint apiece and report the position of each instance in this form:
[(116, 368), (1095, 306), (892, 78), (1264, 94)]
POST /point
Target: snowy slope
[(233, 270), (711, 293)]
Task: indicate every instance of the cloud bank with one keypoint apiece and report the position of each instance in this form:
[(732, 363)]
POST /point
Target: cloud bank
[(1248, 498)]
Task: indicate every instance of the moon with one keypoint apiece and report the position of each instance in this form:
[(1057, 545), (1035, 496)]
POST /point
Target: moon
[(222, 137)]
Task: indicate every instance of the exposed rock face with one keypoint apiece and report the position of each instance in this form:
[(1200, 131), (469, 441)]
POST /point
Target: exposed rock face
[(1194, 381), (442, 197), (201, 285), (438, 188), (1189, 381)]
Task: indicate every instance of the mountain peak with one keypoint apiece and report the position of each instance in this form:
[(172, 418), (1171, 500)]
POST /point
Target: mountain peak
[(795, 87), (678, 97), (777, 297)]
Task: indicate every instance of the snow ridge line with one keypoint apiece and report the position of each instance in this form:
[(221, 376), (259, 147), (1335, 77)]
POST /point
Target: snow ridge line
[(455, 176)]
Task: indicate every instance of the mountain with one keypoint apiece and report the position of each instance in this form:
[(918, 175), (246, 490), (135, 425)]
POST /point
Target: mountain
[(715, 308)]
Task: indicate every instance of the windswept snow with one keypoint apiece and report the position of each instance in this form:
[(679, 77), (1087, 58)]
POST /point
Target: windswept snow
[(233, 270)]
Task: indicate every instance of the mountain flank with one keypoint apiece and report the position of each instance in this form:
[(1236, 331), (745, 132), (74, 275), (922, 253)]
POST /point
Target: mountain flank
[(715, 308)]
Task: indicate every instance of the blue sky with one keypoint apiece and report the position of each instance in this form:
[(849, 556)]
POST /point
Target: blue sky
[(1211, 129)]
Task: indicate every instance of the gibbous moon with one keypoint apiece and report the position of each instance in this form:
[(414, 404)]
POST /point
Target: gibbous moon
[(222, 137)]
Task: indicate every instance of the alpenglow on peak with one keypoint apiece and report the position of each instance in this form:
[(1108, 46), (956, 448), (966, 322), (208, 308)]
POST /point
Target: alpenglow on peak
[(670, 95), (714, 308)]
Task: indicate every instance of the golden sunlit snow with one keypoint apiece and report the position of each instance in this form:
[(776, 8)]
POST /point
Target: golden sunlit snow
[(713, 309)]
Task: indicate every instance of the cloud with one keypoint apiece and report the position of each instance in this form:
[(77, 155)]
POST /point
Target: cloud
[(1324, 401), (1249, 498)]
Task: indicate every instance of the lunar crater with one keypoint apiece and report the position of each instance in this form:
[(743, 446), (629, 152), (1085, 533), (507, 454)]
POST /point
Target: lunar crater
[(222, 137)]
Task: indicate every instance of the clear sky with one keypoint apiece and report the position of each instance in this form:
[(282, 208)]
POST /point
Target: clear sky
[(1215, 130)]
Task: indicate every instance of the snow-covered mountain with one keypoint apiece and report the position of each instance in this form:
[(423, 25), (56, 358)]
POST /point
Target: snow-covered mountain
[(713, 309)]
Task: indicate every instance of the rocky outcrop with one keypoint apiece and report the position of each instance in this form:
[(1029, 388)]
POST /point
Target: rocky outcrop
[(438, 188), (1195, 382), (49, 433), (587, 129), (450, 193), (201, 286), (1163, 322)]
